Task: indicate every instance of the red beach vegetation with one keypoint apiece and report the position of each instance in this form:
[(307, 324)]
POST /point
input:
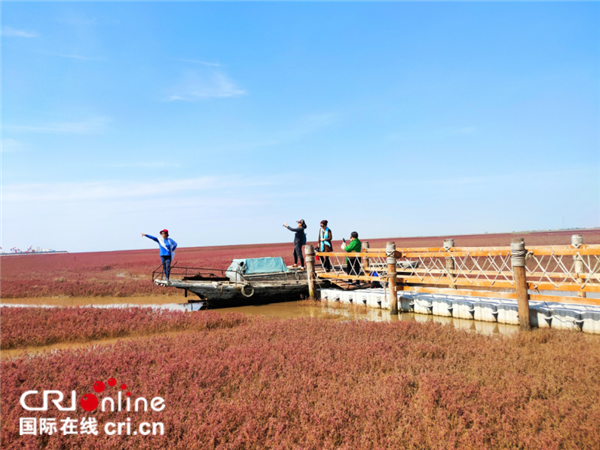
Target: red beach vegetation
[(29, 327), (317, 384)]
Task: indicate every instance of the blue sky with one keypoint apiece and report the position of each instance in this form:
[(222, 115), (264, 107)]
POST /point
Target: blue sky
[(220, 121)]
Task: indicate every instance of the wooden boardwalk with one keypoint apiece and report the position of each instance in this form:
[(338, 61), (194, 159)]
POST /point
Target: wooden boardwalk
[(557, 273)]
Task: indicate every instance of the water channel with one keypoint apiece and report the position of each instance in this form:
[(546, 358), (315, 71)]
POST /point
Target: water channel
[(283, 310)]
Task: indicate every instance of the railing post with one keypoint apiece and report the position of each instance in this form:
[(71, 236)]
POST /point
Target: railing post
[(310, 270), (577, 241), (390, 250), (518, 254), (448, 244), (365, 247)]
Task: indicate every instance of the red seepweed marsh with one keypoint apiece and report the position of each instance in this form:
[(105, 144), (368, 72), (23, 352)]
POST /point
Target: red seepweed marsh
[(235, 381)]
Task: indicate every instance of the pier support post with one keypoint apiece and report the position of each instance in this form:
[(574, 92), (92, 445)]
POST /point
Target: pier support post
[(577, 241), (390, 250), (518, 254), (365, 247), (448, 244), (310, 270)]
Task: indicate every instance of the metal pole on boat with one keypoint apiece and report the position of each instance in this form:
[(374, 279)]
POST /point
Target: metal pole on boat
[(310, 270), (518, 255), (576, 242), (390, 250)]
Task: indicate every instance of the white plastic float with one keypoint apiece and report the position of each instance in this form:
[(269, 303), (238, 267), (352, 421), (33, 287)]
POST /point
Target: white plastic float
[(564, 316)]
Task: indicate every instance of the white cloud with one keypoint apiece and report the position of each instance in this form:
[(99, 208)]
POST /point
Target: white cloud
[(80, 57), (204, 84), (78, 19), (107, 190), (204, 63), (13, 32), (464, 130), (90, 126), (146, 165), (115, 225), (312, 123), (304, 126), (11, 145)]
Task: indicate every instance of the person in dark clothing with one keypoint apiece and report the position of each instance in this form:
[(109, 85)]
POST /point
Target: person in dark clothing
[(299, 241)]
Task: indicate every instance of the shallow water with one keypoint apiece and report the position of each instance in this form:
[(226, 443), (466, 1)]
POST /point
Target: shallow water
[(151, 300), (321, 310), (283, 310), (51, 348)]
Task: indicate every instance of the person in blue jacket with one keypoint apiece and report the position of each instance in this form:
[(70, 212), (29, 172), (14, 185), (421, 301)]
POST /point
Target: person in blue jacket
[(167, 250)]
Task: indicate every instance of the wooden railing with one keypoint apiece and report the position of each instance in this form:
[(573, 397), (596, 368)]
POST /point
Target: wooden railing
[(540, 272)]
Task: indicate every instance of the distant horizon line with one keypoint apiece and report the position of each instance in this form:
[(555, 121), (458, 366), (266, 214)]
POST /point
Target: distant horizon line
[(286, 242)]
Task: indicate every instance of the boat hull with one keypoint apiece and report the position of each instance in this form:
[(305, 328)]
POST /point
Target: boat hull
[(254, 290)]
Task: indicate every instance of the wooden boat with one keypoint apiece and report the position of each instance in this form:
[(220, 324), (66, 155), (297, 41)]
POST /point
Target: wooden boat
[(246, 281)]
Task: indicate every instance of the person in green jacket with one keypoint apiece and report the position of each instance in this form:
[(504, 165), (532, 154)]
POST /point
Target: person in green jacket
[(352, 264)]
